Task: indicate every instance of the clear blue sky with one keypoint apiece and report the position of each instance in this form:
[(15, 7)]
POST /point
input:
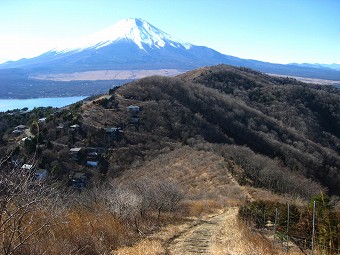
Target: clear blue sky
[(280, 31)]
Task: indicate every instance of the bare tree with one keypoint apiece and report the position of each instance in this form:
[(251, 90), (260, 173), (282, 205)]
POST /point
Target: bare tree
[(167, 195), (23, 214), (145, 189), (125, 203), (162, 196)]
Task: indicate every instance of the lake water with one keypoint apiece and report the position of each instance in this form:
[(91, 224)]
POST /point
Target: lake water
[(10, 104)]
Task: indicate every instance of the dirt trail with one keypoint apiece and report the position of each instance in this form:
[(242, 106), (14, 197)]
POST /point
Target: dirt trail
[(200, 237), (197, 239)]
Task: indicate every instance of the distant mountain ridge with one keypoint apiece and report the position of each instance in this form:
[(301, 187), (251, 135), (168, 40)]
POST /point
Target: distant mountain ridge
[(316, 65), (134, 44)]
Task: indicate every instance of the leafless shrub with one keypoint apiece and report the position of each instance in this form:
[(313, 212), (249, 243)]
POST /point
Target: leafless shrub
[(143, 188), (167, 195), (124, 203), (25, 209)]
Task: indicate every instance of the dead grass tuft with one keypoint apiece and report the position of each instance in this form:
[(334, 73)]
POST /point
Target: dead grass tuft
[(265, 195), (196, 208), (235, 238), (145, 247)]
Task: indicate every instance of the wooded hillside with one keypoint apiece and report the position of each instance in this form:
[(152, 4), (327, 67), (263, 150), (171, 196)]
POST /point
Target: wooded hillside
[(295, 124)]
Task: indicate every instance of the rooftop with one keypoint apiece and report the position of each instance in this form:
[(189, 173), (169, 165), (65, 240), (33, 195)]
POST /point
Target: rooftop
[(75, 149), (26, 166)]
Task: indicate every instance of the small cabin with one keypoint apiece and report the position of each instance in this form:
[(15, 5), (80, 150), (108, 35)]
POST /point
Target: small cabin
[(74, 127), (79, 180), (16, 132), (133, 108), (26, 167), (60, 128), (113, 132), (92, 162), (42, 120), (20, 127), (75, 153), (93, 157)]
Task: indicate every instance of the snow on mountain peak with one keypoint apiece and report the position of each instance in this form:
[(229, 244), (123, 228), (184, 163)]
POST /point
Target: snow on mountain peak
[(137, 30)]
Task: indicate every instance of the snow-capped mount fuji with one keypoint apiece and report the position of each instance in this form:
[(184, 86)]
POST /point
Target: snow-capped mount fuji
[(130, 44), (134, 44), (136, 30)]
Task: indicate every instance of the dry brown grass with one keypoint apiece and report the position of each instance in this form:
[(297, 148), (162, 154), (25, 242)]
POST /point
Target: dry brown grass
[(82, 231), (155, 243), (197, 208), (201, 174), (144, 247), (235, 238), (265, 195)]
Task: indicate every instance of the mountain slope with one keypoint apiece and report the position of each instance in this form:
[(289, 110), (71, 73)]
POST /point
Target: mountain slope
[(284, 119), (134, 44), (197, 136), (316, 65)]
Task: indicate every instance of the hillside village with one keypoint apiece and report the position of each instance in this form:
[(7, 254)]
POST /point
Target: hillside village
[(58, 132), (177, 150)]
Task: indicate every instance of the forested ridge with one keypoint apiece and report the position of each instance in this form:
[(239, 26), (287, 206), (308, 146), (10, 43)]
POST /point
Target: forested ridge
[(288, 127), (294, 123)]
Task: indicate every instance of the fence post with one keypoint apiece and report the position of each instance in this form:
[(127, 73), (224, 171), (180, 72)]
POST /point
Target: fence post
[(264, 218), (275, 225), (313, 233), (288, 212)]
